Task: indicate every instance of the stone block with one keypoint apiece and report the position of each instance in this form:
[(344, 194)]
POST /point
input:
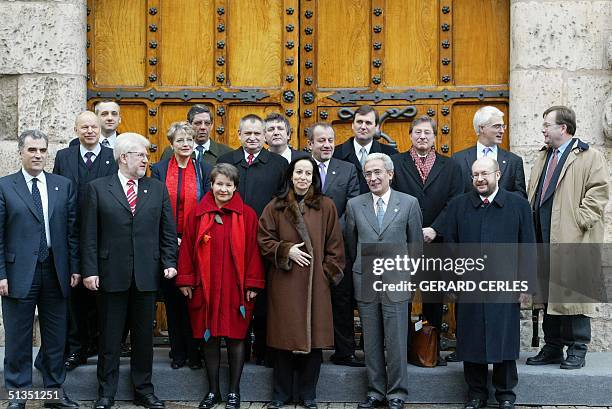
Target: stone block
[(50, 103), (531, 93), (559, 34), (586, 94), (8, 107), (606, 122), (528, 153), (9, 156), (43, 37)]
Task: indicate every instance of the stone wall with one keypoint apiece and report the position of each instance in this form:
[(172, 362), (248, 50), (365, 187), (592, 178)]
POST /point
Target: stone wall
[(561, 54)]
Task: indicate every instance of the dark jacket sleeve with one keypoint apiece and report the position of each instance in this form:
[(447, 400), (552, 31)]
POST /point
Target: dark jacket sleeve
[(454, 189), (519, 178), (155, 172), (73, 230), (167, 233), (89, 233)]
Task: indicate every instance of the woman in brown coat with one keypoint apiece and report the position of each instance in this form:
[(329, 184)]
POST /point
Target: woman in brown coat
[(300, 236)]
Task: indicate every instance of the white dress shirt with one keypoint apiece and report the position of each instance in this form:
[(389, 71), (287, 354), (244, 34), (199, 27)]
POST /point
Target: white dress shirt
[(246, 155), (287, 154), (480, 151), (491, 197), (385, 199), (205, 145), (44, 197), (96, 152), (358, 148), (124, 185), (111, 140)]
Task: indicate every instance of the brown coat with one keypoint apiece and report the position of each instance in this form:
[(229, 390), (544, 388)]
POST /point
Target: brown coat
[(299, 298), (581, 196)]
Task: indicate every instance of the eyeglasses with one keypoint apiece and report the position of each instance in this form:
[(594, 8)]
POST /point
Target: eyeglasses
[(140, 155), (476, 176), (420, 132), (376, 173), (498, 127), (184, 141)]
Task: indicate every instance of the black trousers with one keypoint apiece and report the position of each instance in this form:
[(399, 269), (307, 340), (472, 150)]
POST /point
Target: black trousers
[(83, 323), (18, 317), (113, 310), (572, 331), (307, 366), (343, 306), (183, 346), (505, 378)]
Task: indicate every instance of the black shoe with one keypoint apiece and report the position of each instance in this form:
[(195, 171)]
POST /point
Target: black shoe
[(573, 362), (371, 402), (64, 403), (15, 405), (195, 365), (74, 360), (209, 401), (233, 401), (126, 351), (452, 357), (475, 404), (177, 364), (506, 404), (310, 404), (545, 357), (396, 403), (276, 404), (441, 362), (350, 360), (104, 403), (149, 401)]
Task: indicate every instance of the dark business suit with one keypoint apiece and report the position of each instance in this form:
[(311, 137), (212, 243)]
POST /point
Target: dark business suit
[(82, 332), (128, 253), (182, 344), (442, 184), (510, 166), (341, 184), (259, 183), (32, 282), (216, 150), (346, 152), (297, 154)]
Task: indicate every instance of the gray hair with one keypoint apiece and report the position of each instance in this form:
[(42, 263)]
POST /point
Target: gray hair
[(388, 163), (32, 133), (484, 115), (127, 141), (180, 127)]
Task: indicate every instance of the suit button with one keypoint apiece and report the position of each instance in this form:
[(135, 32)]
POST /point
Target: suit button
[(379, 238)]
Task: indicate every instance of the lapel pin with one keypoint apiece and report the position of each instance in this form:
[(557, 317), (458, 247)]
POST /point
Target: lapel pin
[(333, 172), (107, 162), (56, 188), (396, 210), (504, 161), (146, 191)]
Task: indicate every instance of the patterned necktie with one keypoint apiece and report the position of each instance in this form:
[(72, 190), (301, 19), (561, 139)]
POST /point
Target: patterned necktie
[(549, 174), (88, 160), (250, 159), (380, 211), (363, 154), (200, 155), (43, 249), (323, 174), (485, 202), (132, 198), (486, 151), (105, 142)]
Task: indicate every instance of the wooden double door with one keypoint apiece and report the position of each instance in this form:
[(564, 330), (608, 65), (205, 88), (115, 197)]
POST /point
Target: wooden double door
[(312, 60)]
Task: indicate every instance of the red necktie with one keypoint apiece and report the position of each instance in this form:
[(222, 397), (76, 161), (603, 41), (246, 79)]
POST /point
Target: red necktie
[(132, 198), (549, 174), (250, 159)]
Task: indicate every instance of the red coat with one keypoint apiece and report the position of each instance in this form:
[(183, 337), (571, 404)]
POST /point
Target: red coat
[(218, 309)]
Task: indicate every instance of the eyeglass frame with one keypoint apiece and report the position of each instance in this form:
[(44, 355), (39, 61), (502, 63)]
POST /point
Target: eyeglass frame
[(140, 155), (483, 174), (376, 172)]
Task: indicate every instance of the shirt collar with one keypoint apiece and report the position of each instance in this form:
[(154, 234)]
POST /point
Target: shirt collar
[(28, 178), (491, 197), (480, 147), (206, 145), (385, 197), (246, 154), (96, 150), (326, 163), (563, 147), (358, 147), (124, 180)]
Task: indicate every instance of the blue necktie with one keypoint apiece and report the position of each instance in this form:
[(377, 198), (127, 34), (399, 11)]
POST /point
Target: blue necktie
[(106, 143), (88, 161), (43, 250), (380, 211), (200, 150)]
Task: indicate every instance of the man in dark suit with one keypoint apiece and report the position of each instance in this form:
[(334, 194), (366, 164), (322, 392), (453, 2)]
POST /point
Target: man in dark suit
[(109, 114), (262, 175), (488, 327), (366, 124), (123, 258), (278, 133), (206, 149), (393, 221), (38, 265), (434, 180), (81, 164), (339, 182), (490, 128)]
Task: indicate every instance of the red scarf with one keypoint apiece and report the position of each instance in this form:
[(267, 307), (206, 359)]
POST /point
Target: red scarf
[(189, 186), (204, 255), (423, 167)]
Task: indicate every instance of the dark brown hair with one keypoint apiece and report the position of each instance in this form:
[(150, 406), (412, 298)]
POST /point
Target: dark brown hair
[(565, 116)]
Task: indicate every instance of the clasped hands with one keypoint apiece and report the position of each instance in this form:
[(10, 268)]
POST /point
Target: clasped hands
[(93, 282)]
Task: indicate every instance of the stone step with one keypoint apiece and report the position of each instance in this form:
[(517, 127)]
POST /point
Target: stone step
[(538, 385)]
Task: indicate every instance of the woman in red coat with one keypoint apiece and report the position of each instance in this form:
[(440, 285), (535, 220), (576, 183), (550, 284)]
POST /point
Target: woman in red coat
[(220, 271)]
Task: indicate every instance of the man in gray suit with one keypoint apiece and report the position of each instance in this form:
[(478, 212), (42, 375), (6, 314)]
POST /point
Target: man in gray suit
[(391, 219), (340, 183)]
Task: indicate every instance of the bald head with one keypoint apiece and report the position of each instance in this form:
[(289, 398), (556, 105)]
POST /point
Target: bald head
[(485, 176), (87, 128)]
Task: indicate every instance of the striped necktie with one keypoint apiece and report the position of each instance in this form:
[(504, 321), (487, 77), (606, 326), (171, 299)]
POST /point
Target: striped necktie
[(132, 198)]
